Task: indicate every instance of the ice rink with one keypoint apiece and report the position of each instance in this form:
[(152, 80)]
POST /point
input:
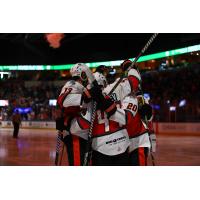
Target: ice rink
[(36, 147)]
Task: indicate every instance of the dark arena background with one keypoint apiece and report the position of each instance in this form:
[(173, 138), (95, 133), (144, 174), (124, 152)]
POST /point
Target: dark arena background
[(34, 67)]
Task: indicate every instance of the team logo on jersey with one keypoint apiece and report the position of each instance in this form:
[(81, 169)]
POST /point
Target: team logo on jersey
[(116, 140)]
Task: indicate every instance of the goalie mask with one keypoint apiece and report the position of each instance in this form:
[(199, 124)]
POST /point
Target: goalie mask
[(101, 79), (79, 70)]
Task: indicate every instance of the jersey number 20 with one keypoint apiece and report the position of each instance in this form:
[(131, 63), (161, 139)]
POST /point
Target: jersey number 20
[(132, 107)]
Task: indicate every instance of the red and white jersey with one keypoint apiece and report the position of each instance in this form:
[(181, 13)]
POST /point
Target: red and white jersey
[(136, 128), (110, 137), (127, 86), (69, 100), (80, 124), (71, 94)]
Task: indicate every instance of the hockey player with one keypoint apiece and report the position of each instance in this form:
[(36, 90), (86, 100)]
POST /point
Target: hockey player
[(110, 139), (128, 85), (108, 144), (138, 130), (71, 103)]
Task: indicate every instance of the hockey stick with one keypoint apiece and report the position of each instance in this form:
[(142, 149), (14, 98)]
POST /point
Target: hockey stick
[(135, 60), (61, 156), (152, 158), (152, 38), (88, 154), (146, 123), (58, 144)]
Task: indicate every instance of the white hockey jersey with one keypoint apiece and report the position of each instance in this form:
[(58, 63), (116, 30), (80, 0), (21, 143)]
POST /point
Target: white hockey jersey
[(71, 94), (69, 100), (127, 86)]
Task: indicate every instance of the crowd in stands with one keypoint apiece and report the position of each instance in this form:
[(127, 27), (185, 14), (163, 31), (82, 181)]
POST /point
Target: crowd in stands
[(34, 97), (170, 87), (166, 88)]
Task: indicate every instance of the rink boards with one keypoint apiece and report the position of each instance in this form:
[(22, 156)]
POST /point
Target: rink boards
[(31, 124)]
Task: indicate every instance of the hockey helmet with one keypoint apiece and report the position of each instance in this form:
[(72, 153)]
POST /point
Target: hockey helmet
[(125, 64), (79, 70), (101, 79)]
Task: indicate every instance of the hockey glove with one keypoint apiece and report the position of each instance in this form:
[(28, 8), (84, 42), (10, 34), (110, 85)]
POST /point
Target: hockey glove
[(63, 123), (145, 111), (60, 124), (96, 92), (86, 97), (103, 103), (66, 136), (108, 106), (125, 65)]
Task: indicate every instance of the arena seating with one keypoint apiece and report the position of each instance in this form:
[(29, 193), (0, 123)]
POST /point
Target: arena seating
[(166, 89)]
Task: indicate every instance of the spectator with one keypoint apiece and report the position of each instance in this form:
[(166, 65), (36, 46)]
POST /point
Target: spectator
[(16, 120)]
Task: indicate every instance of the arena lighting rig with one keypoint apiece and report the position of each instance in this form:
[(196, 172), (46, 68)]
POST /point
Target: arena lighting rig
[(154, 56)]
